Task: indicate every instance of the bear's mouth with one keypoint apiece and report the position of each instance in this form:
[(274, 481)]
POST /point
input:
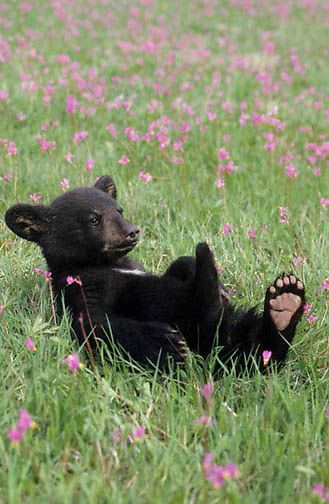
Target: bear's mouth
[(121, 249), (125, 249)]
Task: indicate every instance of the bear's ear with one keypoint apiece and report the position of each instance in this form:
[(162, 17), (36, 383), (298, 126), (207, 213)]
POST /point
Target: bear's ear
[(28, 221), (107, 185)]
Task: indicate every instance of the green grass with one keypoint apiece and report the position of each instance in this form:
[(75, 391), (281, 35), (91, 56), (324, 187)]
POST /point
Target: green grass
[(273, 427)]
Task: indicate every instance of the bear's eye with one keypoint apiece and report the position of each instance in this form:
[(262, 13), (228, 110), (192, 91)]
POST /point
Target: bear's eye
[(120, 210), (95, 220)]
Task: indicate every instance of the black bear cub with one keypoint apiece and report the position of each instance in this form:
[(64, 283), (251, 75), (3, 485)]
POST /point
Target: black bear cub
[(85, 240)]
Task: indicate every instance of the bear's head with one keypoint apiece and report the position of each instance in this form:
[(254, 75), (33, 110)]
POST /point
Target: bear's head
[(80, 227)]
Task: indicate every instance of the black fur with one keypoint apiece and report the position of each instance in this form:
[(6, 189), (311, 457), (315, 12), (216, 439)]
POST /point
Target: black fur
[(84, 235)]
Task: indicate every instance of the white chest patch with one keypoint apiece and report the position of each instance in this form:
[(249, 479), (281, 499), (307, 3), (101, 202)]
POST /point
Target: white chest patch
[(130, 272)]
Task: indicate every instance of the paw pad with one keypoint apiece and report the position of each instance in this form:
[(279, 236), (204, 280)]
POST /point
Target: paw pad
[(285, 300)]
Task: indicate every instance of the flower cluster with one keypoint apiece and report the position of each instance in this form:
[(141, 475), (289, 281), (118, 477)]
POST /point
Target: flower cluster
[(218, 475), (73, 362), (321, 491), (46, 274), (23, 423)]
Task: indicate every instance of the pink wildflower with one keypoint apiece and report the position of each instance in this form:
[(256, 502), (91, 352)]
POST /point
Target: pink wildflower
[(3, 95), (124, 160), (73, 362), (243, 119), (46, 145), (30, 345), (63, 59), (8, 176), (312, 159), (35, 197), (324, 202), (218, 475), (317, 172), (227, 106), (212, 116), (325, 283), (2, 309), (71, 280), (321, 491), (298, 260), (65, 184), (271, 140), (220, 182), (284, 215), (47, 275), (49, 90), (230, 167), (207, 391), (145, 176), (177, 160), (207, 461), (72, 104), (288, 157), (137, 434), (37, 271), (223, 154), (112, 130), (131, 134), (69, 157), (227, 228), (311, 318), (89, 165), (230, 471), (80, 136), (291, 170), (15, 435), (25, 6), (116, 435), (178, 146), (307, 308), (23, 423), (204, 420), (270, 146), (266, 356), (251, 233), (12, 149)]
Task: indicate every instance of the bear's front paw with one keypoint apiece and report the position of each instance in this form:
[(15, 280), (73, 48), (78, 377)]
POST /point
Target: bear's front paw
[(203, 252), (167, 342)]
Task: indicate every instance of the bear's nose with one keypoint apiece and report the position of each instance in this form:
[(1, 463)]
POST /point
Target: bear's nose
[(133, 233)]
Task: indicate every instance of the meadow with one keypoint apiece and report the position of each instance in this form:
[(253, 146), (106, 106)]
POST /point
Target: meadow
[(212, 117)]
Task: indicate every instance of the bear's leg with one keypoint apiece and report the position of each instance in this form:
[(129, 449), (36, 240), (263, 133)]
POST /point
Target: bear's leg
[(145, 342), (208, 301), (245, 336), (182, 268), (283, 308)]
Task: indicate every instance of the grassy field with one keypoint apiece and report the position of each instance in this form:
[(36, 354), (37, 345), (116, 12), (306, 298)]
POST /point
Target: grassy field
[(206, 113)]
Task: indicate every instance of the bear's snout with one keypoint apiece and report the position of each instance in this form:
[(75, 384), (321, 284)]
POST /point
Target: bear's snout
[(132, 233)]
